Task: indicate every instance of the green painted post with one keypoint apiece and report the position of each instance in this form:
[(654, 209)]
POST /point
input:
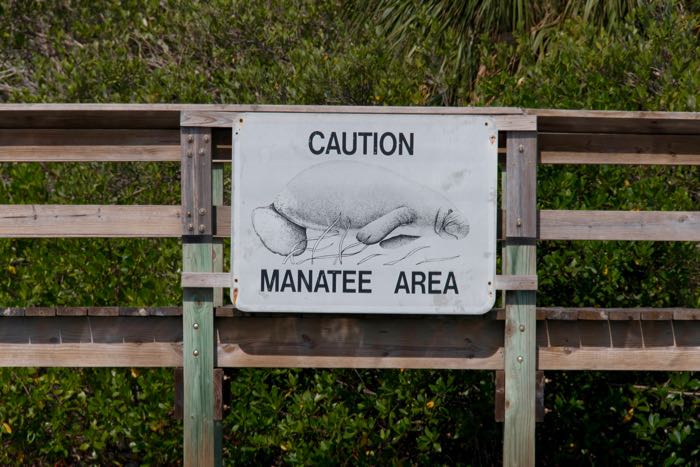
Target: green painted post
[(199, 351), (520, 352)]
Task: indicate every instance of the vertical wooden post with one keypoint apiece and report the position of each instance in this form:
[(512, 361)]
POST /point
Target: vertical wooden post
[(520, 341), (199, 352), (217, 199)]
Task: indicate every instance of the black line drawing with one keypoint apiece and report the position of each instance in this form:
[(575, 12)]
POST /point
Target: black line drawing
[(339, 197), (437, 260)]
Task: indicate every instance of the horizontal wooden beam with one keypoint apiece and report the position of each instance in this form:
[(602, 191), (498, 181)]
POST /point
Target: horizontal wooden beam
[(223, 279), (619, 225), (58, 221), (596, 121), (151, 354), (87, 153), (595, 148), (332, 341), (51, 221), (503, 121)]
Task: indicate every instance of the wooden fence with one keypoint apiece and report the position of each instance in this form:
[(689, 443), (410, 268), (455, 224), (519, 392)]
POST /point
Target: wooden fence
[(203, 334)]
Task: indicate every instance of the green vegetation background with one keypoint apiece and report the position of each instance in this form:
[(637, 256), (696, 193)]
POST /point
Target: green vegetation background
[(304, 52)]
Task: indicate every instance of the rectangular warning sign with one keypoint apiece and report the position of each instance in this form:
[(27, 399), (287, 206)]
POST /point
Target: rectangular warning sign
[(364, 213)]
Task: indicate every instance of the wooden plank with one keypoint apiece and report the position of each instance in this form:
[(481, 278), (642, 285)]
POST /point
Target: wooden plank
[(198, 359), (219, 279), (217, 199), (594, 121), (83, 355), (196, 181), (199, 350), (520, 340), (84, 153), (68, 137), (224, 119), (62, 221), (588, 148), (520, 362), (613, 359), (521, 192), (162, 354), (620, 225)]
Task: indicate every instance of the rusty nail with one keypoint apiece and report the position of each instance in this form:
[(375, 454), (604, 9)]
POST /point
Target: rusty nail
[(195, 325), (195, 352), (520, 359), (521, 148), (190, 227), (522, 328), (202, 228), (202, 211)]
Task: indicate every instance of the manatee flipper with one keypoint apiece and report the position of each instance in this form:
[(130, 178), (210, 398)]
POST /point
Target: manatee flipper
[(378, 229), (397, 241), (278, 234)]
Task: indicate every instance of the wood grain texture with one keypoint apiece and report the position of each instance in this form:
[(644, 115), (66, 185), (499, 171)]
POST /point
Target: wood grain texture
[(198, 358), (196, 181), (151, 354), (520, 362), (505, 120), (521, 180), (224, 279), (619, 225), (626, 359), (588, 148), (85, 153), (52, 221), (592, 121)]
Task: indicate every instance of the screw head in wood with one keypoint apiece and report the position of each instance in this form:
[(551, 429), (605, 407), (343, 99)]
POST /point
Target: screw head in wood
[(195, 352), (201, 152), (520, 359), (522, 328), (206, 138), (521, 148), (202, 211), (519, 222), (190, 227), (195, 325), (190, 138), (189, 213), (202, 228)]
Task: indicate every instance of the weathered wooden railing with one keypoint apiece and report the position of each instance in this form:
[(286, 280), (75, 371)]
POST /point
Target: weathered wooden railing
[(518, 339)]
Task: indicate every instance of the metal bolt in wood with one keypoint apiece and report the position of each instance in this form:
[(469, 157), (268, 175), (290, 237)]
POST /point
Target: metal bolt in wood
[(202, 211), (190, 139), (522, 328), (195, 325), (202, 227), (190, 227), (195, 352), (521, 148), (520, 359)]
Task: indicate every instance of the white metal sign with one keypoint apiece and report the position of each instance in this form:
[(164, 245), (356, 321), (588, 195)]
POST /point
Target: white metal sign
[(364, 213)]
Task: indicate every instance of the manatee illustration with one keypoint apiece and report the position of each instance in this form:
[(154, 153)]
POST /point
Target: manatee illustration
[(348, 195)]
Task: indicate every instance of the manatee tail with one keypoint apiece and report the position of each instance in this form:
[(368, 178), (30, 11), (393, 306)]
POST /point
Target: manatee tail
[(277, 233)]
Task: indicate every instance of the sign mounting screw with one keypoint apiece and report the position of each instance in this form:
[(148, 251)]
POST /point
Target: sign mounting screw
[(521, 148), (190, 227), (195, 325), (519, 359), (202, 228), (522, 328), (202, 211), (195, 352), (190, 138), (206, 138)]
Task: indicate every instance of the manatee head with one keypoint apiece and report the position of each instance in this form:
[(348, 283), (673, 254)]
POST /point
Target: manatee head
[(450, 223)]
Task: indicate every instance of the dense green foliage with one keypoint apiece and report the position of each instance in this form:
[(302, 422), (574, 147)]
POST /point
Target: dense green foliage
[(304, 52)]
